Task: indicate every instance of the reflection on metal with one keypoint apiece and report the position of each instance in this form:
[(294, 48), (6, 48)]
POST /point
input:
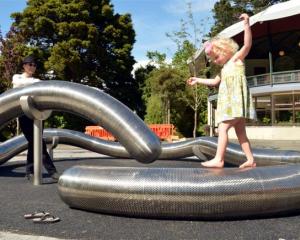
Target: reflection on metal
[(92, 104), (28, 107), (52, 145), (183, 192), (203, 147), (37, 151)]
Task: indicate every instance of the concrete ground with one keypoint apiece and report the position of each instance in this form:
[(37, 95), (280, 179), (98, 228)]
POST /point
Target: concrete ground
[(18, 197)]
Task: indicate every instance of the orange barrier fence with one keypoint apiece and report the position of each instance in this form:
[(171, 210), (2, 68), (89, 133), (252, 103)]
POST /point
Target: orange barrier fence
[(99, 132), (163, 131)]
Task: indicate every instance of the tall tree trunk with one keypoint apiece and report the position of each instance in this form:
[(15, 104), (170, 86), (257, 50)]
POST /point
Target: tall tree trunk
[(195, 122), (169, 112)]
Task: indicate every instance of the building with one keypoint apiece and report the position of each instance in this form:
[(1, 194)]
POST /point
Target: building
[(273, 72)]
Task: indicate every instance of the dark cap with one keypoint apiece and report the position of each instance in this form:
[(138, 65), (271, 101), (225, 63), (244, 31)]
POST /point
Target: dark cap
[(29, 59)]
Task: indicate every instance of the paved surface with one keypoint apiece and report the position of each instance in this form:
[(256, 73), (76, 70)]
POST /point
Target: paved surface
[(18, 197)]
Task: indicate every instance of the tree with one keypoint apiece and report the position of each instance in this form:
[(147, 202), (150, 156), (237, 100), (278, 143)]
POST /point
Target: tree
[(187, 39), (12, 48), (82, 41), (162, 93), (140, 76)]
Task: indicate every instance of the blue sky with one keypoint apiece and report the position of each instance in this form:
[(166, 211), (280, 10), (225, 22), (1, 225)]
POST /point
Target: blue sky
[(152, 19)]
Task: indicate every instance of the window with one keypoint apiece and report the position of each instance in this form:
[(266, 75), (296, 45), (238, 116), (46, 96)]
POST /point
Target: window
[(263, 110), (297, 107), (259, 70), (283, 106)]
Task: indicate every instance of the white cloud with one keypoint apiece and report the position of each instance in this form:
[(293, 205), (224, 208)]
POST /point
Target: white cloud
[(144, 63), (141, 63)]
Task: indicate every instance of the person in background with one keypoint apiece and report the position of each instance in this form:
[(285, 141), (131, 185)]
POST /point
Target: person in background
[(234, 104), (26, 124)]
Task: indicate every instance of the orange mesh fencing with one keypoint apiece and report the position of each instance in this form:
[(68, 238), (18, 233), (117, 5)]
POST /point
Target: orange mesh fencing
[(163, 131), (99, 132)]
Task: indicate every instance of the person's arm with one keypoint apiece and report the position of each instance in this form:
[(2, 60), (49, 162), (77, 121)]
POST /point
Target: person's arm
[(243, 52), (205, 81)]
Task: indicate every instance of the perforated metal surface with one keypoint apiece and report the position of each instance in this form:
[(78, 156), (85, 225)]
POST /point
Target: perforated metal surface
[(182, 192)]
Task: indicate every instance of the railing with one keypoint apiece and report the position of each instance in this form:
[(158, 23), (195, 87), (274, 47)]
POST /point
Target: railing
[(274, 78), (163, 131)]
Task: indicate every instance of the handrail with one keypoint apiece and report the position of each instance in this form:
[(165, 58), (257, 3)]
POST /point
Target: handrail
[(276, 78)]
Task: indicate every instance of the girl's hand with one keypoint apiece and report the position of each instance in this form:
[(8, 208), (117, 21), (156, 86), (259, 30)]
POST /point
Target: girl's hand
[(192, 81), (244, 17)]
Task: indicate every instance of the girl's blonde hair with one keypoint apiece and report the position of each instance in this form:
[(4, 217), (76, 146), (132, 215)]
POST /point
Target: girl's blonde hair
[(222, 45)]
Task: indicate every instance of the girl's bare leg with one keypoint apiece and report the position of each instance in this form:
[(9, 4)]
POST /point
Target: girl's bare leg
[(240, 130), (218, 160)]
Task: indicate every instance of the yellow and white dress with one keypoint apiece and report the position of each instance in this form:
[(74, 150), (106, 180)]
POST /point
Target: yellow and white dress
[(234, 97)]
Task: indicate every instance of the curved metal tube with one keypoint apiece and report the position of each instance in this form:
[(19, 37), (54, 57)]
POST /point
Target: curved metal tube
[(18, 144), (235, 155), (206, 145), (92, 104), (182, 192), (12, 147)]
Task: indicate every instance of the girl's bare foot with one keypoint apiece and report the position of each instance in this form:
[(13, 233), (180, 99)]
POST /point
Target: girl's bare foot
[(248, 164), (214, 163)]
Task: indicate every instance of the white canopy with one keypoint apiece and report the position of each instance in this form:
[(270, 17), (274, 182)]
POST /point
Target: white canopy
[(280, 10), (277, 11)]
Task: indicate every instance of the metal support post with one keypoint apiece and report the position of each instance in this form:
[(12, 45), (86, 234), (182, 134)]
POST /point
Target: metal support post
[(37, 151), (29, 109)]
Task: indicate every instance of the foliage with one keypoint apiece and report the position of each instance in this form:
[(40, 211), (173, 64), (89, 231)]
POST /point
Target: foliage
[(157, 58), (154, 110), (81, 41), (57, 120), (140, 75), (12, 48), (163, 87)]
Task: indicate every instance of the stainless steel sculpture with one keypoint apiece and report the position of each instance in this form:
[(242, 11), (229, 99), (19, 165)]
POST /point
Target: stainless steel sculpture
[(92, 104), (154, 192), (203, 146), (183, 192)]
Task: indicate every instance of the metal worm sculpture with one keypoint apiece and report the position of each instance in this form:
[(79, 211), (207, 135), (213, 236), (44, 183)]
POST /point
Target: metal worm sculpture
[(154, 192)]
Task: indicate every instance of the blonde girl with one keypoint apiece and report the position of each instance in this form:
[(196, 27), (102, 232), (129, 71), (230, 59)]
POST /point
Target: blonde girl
[(234, 104)]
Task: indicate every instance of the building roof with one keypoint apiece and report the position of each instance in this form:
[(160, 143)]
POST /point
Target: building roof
[(260, 22), (277, 11)]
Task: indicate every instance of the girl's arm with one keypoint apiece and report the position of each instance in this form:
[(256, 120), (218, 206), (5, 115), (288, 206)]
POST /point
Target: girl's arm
[(243, 52), (205, 81)]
